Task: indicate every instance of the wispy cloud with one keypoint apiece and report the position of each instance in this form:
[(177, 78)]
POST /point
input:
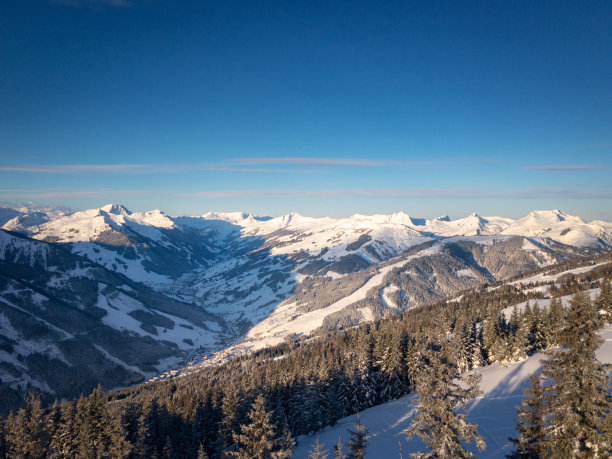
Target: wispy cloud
[(57, 193), (565, 168), (148, 169), (316, 162), (406, 193), (77, 168), (381, 193), (266, 170)]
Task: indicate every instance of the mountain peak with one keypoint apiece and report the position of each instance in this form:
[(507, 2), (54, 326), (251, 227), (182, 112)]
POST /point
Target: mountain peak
[(117, 209)]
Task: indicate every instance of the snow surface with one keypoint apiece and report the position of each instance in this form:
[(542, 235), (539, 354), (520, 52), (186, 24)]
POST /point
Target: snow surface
[(548, 278), (285, 320), (494, 412)]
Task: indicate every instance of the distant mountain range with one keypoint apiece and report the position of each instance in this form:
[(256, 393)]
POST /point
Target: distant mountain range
[(113, 296)]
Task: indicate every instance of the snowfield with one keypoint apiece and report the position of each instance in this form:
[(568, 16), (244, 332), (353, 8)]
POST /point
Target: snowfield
[(494, 412), (246, 282)]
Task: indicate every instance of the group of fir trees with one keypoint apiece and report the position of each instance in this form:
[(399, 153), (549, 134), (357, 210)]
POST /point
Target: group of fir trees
[(567, 411), (304, 385), (357, 445)]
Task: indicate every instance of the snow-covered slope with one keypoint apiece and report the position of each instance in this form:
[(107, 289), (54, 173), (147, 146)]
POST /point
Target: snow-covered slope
[(267, 279), (562, 228), (553, 224), (147, 247), (494, 412), (67, 324)]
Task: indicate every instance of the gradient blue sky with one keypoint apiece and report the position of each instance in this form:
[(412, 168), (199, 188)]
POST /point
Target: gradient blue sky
[(324, 108)]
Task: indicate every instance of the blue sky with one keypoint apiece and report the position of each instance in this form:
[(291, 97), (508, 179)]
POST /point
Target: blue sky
[(324, 108)]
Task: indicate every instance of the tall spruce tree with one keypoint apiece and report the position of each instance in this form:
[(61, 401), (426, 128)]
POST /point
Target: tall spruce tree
[(26, 434), (437, 421), (578, 405), (257, 439), (358, 441), (530, 422), (554, 324), (338, 452), (317, 450), (3, 445), (604, 301)]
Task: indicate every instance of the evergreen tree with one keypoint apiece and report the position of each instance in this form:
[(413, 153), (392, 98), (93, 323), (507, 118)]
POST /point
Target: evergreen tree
[(604, 301), (536, 325), (3, 444), (530, 422), (338, 453), (437, 422), (26, 434), (578, 405), (554, 324), (493, 337), (521, 326), (149, 436), (94, 436), (317, 451), (358, 441), (202, 452), (64, 443), (231, 409), (286, 443), (257, 439)]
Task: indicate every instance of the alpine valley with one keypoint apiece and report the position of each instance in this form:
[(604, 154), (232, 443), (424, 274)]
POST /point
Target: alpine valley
[(113, 297)]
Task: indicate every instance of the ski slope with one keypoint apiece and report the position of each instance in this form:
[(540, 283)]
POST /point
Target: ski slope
[(494, 412)]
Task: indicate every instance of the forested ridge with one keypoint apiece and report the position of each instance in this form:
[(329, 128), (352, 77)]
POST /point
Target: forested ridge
[(279, 393)]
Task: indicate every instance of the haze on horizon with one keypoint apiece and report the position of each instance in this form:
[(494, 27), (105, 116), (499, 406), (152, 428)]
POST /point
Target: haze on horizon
[(317, 108)]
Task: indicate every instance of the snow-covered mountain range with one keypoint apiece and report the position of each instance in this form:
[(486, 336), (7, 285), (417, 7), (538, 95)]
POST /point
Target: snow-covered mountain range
[(147, 291)]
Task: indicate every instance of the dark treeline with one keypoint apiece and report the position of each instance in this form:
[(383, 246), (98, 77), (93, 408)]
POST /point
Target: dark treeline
[(254, 406)]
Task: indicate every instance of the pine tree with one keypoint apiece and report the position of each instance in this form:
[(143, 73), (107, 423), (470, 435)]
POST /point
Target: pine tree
[(3, 444), (149, 435), (65, 440), (554, 324), (202, 452), (604, 301), (437, 422), (358, 441), (231, 409), (95, 439), (317, 450), (493, 337), (530, 422), (578, 405), (536, 334), (257, 439), (26, 433), (520, 327), (338, 453), (285, 443)]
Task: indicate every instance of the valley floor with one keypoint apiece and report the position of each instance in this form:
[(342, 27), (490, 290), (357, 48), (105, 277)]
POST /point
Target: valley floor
[(494, 411)]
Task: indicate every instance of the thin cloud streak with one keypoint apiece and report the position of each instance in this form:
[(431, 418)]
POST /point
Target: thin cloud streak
[(583, 167), (380, 193), (320, 162), (78, 168), (267, 170), (64, 169), (404, 193), (79, 194)]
